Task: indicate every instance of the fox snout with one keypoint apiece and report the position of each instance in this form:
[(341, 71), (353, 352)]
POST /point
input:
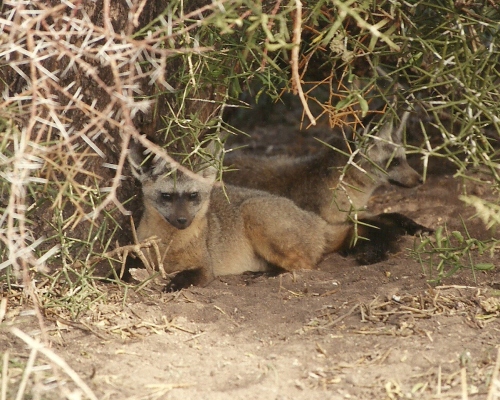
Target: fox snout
[(404, 175), (179, 209), (179, 222), (179, 216)]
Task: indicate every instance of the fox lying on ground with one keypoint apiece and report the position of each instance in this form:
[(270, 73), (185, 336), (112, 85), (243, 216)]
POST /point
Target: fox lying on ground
[(207, 231), (330, 184), (335, 186)]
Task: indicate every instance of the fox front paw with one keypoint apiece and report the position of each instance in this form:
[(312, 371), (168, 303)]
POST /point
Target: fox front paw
[(185, 279), (370, 253)]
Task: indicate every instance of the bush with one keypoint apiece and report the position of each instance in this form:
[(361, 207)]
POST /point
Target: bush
[(79, 82)]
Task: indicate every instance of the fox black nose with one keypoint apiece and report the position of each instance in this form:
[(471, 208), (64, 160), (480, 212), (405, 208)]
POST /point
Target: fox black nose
[(179, 222)]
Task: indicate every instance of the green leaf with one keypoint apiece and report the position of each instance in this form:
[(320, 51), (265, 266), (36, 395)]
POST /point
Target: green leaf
[(484, 266), (457, 235)]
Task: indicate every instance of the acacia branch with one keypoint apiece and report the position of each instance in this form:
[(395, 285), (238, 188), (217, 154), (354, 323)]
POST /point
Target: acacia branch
[(297, 28)]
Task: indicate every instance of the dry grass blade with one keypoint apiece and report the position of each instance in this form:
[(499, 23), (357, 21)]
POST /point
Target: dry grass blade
[(5, 375), (27, 372), (425, 305), (463, 381), (494, 389), (38, 347), (3, 308)]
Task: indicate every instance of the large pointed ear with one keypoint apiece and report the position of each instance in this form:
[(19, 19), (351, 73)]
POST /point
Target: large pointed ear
[(214, 149), (209, 172), (208, 167), (385, 131), (398, 134), (141, 160), (375, 129)]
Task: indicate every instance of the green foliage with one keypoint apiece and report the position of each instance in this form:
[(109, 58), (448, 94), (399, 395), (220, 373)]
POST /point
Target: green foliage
[(448, 252), (225, 49), (61, 248), (452, 66)]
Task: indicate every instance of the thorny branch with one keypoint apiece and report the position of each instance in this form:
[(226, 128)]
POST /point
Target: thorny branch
[(297, 27), (63, 127)]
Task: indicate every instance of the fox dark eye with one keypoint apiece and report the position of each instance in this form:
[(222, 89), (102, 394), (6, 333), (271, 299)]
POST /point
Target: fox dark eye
[(166, 196), (394, 162), (193, 196)]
